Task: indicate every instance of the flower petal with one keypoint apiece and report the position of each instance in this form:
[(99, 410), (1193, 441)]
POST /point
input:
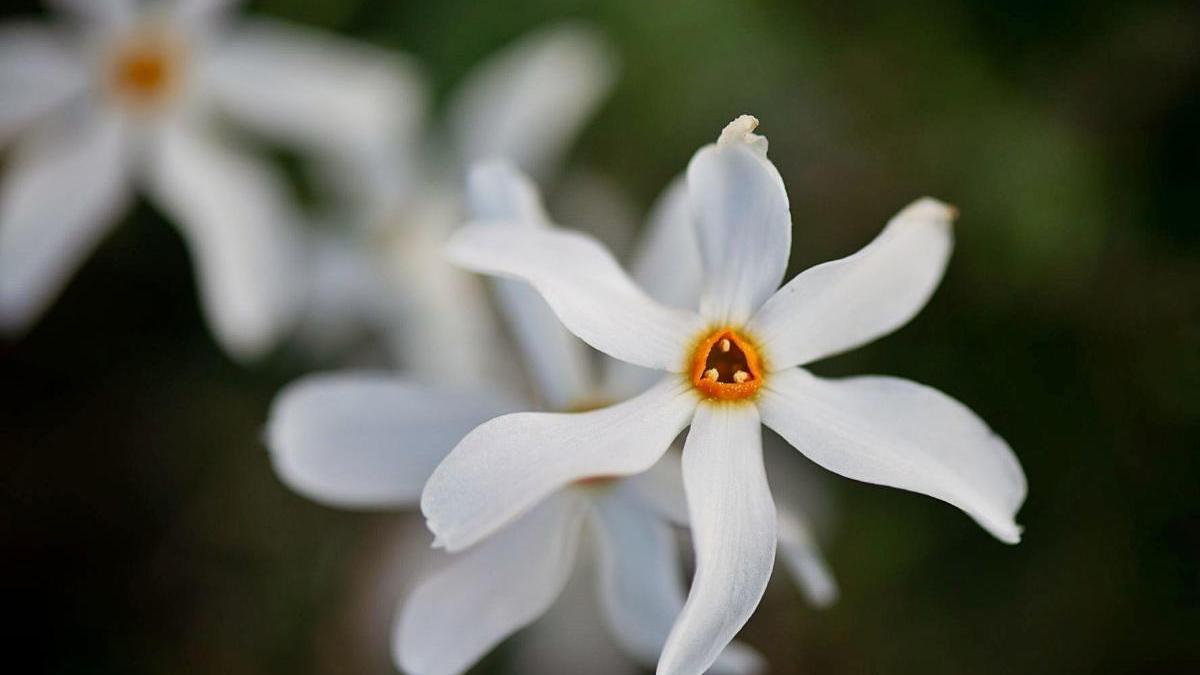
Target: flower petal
[(500, 194), (368, 439), (305, 87), (38, 71), (802, 557), (744, 229), (528, 102), (62, 190), (236, 221), (666, 264), (641, 588), (484, 595), (587, 289), (733, 528), (504, 467), (889, 431), (104, 12), (840, 305)]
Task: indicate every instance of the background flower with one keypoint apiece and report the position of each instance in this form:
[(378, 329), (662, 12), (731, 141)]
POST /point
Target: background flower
[(144, 527)]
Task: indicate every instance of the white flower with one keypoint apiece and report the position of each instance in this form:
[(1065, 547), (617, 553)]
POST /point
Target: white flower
[(731, 367), (526, 103), (372, 440), (133, 96)]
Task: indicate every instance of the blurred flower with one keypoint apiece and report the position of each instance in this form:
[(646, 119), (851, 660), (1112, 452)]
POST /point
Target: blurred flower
[(386, 272), (362, 440), (134, 94), (732, 366)]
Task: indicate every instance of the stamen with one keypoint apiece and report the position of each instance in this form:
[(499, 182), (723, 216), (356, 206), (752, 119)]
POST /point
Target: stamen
[(726, 366)]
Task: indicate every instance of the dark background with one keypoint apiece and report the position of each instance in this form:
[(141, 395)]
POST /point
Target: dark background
[(143, 531)]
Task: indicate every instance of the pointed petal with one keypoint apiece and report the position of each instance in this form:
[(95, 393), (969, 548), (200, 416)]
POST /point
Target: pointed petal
[(486, 594), (38, 72), (889, 431), (323, 93), (60, 193), (504, 467), (504, 197), (368, 439), (744, 229), (528, 102), (733, 528), (587, 289), (840, 305), (236, 220), (802, 557), (641, 588)]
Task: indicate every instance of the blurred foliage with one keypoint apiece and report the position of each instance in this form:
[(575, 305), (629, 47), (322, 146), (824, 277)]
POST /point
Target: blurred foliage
[(143, 531)]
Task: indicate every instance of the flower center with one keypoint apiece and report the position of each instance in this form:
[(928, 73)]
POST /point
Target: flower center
[(146, 69), (726, 366)]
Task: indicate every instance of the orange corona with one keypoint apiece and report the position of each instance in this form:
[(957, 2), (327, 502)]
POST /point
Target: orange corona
[(726, 366), (146, 69)]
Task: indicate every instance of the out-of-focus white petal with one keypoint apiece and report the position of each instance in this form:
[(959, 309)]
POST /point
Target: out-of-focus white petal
[(104, 13), (743, 226), (38, 71), (60, 193), (202, 10), (529, 101), (236, 220), (327, 94), (369, 439), (486, 594), (641, 588), (501, 195), (342, 295), (733, 528), (889, 431), (666, 264), (587, 289), (803, 559), (504, 467), (840, 305), (660, 488)]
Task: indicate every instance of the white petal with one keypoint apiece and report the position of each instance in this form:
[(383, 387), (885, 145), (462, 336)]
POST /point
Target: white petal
[(501, 195), (743, 226), (641, 587), (660, 488), (894, 432), (587, 289), (504, 467), (666, 264), (528, 102), (733, 528), (38, 71), (237, 222), (343, 295), (329, 95), (803, 559), (101, 12), (840, 305), (486, 594), (60, 193), (369, 439)]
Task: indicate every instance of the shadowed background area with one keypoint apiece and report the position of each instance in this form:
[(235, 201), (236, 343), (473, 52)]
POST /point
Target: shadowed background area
[(142, 529)]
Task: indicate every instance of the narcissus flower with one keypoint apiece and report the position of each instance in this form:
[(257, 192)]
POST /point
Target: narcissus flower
[(731, 367), (371, 441), (134, 94), (385, 274)]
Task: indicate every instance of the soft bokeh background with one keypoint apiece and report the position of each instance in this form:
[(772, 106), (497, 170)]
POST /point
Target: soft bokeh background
[(143, 531)]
